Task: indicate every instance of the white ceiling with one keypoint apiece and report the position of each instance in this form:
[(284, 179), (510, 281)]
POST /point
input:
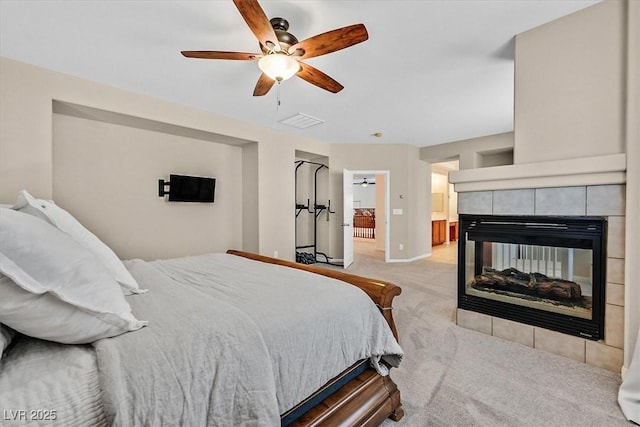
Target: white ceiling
[(431, 72)]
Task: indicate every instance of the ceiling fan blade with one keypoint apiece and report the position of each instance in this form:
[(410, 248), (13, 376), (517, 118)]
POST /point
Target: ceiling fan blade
[(265, 83), (214, 54), (318, 78), (331, 41), (258, 22)]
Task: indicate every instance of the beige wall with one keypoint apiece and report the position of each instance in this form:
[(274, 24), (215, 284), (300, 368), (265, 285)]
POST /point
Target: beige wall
[(440, 186), (250, 198), (418, 205), (409, 181), (107, 174), (586, 115), (26, 148), (25, 131)]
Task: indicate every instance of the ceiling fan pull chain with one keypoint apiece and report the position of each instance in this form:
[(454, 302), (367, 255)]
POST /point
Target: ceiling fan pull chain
[(278, 92)]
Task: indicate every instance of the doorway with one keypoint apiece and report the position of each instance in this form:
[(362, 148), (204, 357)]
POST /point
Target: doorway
[(366, 213), (444, 204)]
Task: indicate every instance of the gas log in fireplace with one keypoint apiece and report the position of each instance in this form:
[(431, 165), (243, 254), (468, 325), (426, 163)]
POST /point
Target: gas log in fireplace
[(542, 271)]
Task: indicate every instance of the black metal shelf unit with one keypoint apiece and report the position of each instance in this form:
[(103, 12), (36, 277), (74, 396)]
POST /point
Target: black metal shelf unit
[(316, 209)]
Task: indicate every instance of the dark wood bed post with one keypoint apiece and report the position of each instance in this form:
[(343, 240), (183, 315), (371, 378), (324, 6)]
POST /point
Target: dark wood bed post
[(369, 398)]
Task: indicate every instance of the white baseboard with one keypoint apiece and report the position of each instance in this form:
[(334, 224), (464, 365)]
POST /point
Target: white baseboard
[(395, 259), (415, 258), (623, 372)]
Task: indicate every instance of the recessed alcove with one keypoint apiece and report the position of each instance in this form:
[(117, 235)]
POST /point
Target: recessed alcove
[(112, 161), (312, 225)]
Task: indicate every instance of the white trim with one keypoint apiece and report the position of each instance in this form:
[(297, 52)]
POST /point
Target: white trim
[(415, 258)]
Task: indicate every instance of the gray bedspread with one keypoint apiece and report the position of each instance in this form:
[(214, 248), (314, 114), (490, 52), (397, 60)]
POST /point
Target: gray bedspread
[(44, 383), (234, 342)]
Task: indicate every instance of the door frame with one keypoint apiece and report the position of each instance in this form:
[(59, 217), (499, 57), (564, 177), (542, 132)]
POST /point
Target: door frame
[(387, 217)]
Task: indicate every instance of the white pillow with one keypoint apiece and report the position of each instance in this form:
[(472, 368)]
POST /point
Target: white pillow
[(6, 335), (63, 220), (54, 288)]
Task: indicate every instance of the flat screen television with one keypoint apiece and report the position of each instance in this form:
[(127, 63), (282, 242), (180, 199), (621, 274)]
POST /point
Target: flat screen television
[(183, 188)]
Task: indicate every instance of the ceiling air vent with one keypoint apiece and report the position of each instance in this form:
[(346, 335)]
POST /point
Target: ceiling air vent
[(301, 121)]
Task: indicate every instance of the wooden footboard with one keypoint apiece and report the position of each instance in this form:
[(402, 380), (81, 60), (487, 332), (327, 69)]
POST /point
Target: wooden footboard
[(369, 398)]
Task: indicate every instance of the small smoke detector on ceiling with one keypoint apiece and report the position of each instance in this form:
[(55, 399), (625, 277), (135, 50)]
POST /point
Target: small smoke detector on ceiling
[(301, 121)]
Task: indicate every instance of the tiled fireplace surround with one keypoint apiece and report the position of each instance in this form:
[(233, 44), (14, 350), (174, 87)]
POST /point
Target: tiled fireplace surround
[(594, 200)]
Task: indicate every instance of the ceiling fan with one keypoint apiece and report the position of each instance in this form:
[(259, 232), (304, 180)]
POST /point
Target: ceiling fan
[(364, 183), (282, 53)]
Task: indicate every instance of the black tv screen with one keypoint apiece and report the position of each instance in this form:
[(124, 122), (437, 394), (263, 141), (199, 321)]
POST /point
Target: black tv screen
[(183, 188)]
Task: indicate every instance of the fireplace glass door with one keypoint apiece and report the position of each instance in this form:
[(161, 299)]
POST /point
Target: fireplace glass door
[(544, 271)]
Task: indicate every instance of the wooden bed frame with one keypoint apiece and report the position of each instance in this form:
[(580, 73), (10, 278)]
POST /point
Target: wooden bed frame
[(369, 398)]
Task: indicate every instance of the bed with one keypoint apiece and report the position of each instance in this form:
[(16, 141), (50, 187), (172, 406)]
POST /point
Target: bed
[(232, 339)]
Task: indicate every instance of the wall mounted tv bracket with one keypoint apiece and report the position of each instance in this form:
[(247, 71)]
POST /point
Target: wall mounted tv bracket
[(162, 188)]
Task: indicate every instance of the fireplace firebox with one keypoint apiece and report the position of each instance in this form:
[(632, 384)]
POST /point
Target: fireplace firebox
[(539, 270)]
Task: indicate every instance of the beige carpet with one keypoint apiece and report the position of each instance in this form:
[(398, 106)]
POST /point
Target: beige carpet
[(452, 376)]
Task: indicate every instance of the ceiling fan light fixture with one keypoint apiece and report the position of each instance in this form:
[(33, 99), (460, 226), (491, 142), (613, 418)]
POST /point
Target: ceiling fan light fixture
[(282, 53), (364, 182), (279, 66)]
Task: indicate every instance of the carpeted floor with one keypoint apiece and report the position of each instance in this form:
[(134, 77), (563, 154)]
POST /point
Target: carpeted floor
[(452, 376)]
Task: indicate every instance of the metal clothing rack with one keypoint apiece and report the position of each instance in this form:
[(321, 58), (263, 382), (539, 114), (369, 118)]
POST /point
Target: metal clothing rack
[(316, 211)]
